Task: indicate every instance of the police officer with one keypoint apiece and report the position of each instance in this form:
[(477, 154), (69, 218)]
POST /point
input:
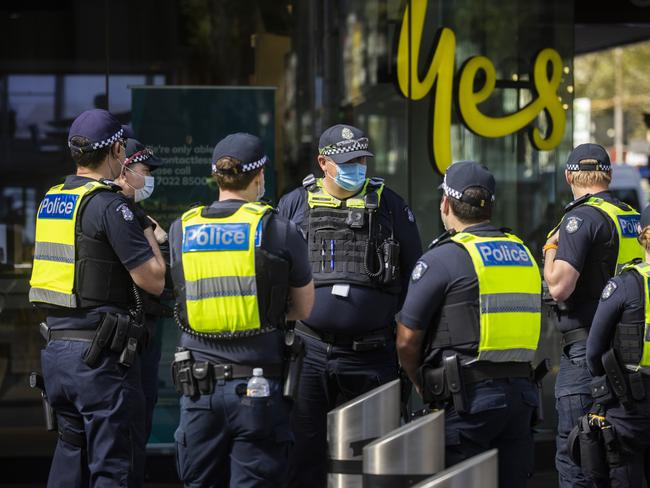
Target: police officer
[(596, 236), (235, 264), (89, 251), (363, 243), (618, 345), (470, 325), (137, 184)]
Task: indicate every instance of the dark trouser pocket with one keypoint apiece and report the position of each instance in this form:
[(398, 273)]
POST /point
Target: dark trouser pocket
[(255, 417), (179, 437)]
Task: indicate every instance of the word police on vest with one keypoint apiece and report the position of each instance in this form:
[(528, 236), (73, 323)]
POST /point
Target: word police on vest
[(216, 237), (630, 225), (58, 206), (501, 253)]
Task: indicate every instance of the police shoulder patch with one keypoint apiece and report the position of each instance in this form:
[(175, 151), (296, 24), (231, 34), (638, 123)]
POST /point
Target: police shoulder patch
[(573, 224), (127, 214), (409, 214), (609, 290), (419, 270)]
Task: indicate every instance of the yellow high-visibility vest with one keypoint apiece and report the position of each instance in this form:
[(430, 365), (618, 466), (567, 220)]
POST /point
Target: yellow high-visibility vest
[(510, 299), (318, 196), (218, 256), (53, 275), (627, 227)]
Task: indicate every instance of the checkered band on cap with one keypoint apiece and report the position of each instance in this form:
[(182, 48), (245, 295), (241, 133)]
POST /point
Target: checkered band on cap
[(99, 144), (449, 191), (139, 156), (599, 166), (244, 167), (254, 165), (353, 146)]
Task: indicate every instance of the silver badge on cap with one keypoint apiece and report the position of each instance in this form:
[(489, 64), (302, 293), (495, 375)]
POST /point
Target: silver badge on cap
[(573, 224), (419, 270), (609, 289), (346, 133)]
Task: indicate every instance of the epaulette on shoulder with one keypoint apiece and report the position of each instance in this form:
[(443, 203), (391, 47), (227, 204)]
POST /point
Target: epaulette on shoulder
[(309, 182), (577, 202), (376, 181), (442, 238), (111, 184)]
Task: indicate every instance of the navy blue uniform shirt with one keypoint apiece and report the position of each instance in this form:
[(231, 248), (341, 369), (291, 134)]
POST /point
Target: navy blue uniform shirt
[(589, 243), (446, 270), (365, 308), (280, 238), (107, 217), (622, 297)]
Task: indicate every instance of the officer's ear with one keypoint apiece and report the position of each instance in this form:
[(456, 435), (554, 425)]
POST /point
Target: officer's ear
[(444, 205), (322, 162), (569, 177), (115, 150)]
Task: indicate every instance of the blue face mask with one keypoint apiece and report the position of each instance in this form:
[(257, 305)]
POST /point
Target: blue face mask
[(350, 176)]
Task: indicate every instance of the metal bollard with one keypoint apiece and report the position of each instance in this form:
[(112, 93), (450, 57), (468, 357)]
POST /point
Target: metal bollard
[(480, 471), (353, 425), (407, 455)]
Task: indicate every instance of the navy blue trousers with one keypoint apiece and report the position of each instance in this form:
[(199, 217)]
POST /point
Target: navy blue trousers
[(149, 365), (572, 401), (500, 415), (330, 376), (108, 401), (632, 428), (227, 439)]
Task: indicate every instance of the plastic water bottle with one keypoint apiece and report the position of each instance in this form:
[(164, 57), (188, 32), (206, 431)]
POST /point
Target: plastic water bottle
[(258, 386)]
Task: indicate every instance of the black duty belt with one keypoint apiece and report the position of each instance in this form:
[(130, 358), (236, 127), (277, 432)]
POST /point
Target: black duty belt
[(494, 371), (239, 371), (192, 377), (84, 335), (574, 336), (372, 340)]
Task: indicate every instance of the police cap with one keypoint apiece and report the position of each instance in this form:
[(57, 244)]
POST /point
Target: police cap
[(466, 174), (247, 148), (100, 127), (343, 143), (589, 157), (136, 152)]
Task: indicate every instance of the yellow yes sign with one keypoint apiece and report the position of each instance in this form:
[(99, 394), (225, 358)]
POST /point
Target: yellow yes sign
[(441, 70)]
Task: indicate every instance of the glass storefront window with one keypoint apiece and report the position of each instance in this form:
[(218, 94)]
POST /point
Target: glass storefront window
[(328, 62)]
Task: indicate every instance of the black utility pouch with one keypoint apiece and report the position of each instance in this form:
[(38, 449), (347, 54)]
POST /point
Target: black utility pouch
[(182, 373), (100, 341), (637, 389), (592, 452), (129, 353), (434, 386), (612, 449), (121, 333), (601, 392), (204, 376), (454, 376)]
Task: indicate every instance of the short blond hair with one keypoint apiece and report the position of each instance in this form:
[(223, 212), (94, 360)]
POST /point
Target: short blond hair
[(585, 179)]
